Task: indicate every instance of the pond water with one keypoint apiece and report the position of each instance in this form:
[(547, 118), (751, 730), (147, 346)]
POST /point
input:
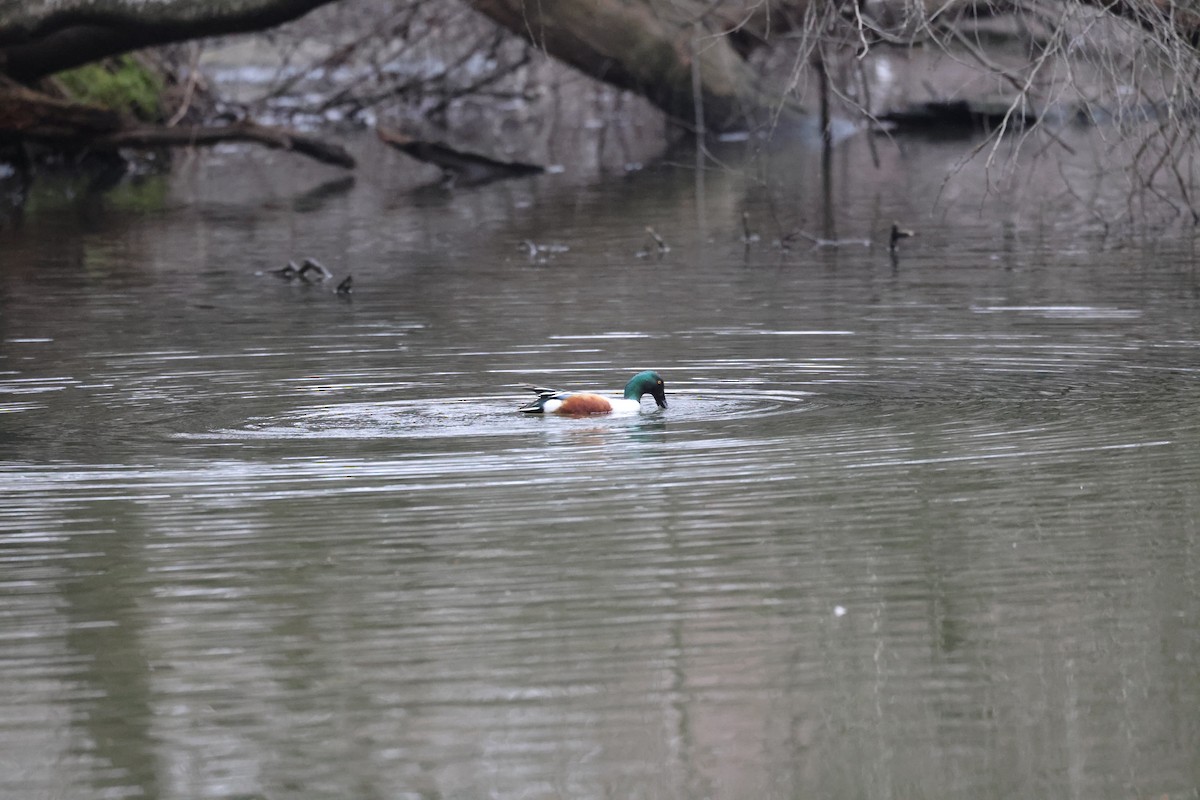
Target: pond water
[(923, 526)]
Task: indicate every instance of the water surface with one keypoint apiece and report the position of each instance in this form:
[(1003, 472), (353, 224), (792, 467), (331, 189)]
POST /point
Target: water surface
[(923, 526)]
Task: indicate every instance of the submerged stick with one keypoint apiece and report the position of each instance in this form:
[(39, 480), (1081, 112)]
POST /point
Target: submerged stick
[(897, 234), (659, 242)]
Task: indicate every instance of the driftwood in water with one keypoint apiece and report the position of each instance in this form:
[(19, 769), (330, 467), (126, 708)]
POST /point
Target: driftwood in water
[(470, 169), (26, 115), (198, 135)]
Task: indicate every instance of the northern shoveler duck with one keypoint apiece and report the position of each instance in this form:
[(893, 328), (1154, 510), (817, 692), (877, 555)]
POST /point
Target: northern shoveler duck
[(552, 401)]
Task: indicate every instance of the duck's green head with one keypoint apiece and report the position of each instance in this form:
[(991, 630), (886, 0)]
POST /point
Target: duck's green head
[(648, 382)]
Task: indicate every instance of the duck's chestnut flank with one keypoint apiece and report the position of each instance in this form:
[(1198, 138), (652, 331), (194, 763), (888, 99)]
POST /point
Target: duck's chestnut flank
[(584, 403), (553, 401)]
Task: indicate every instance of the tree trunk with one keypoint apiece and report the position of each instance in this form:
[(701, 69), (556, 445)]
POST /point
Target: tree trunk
[(652, 47), (41, 37)]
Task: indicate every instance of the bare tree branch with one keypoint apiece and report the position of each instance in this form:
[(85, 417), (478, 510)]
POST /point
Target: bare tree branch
[(198, 135)]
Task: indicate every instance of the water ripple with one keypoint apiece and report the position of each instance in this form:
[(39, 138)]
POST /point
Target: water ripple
[(491, 415)]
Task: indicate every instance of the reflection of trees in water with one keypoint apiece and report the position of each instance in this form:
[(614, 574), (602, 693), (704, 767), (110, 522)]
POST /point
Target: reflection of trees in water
[(113, 708)]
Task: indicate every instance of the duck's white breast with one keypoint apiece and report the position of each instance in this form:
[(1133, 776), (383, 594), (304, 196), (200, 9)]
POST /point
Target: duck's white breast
[(622, 405)]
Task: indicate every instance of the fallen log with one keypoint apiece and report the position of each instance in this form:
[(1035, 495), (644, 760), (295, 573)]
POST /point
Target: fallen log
[(30, 116), (680, 55), (41, 37), (200, 135), (463, 168), (25, 113)]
